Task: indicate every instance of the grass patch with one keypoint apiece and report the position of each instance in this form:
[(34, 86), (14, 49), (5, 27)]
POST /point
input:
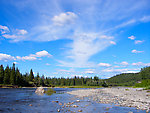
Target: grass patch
[(127, 89), (50, 91)]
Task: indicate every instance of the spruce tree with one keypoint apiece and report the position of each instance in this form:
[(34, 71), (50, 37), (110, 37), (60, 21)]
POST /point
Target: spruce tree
[(18, 77), (6, 75), (37, 79), (31, 75), (1, 74)]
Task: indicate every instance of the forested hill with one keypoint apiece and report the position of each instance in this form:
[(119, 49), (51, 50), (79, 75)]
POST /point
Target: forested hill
[(12, 76), (129, 79)]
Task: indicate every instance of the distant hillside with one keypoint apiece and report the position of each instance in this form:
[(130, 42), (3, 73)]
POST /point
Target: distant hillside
[(129, 79)]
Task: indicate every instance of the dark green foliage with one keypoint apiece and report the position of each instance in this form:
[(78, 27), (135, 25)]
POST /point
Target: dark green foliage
[(31, 75), (18, 78), (104, 84), (1, 74), (7, 75), (144, 83), (125, 79), (129, 79), (12, 75), (145, 73)]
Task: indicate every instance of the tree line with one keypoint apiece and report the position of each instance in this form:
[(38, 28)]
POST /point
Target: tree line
[(12, 76)]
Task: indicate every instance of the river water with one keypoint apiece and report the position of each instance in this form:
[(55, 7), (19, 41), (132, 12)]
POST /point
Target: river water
[(24, 100)]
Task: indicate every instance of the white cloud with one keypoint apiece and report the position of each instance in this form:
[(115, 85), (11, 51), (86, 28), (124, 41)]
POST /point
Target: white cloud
[(121, 70), (89, 71), (10, 36), (16, 35), (138, 41), (104, 65), (29, 58), (113, 42), (4, 29), (124, 63), (132, 37), (21, 31), (136, 51), (106, 37), (141, 64), (6, 57), (35, 56), (41, 54), (47, 64), (84, 46), (64, 18)]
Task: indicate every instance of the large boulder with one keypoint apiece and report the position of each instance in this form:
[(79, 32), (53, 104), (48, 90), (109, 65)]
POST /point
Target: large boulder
[(40, 90)]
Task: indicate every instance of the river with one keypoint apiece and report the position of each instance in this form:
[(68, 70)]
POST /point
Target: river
[(24, 100)]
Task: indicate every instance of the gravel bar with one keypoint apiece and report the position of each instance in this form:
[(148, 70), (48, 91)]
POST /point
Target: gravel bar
[(121, 96)]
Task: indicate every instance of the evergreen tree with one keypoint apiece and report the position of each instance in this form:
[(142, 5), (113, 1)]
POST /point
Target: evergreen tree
[(72, 82), (41, 82), (46, 81), (37, 80), (6, 75), (18, 77), (13, 75), (31, 75), (1, 74)]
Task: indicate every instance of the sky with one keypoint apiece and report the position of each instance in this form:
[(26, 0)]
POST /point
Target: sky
[(67, 38)]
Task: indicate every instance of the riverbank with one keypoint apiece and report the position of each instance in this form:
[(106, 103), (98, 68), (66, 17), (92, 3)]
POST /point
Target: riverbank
[(129, 97), (15, 86)]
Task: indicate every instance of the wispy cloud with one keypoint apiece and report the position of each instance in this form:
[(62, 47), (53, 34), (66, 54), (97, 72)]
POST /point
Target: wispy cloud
[(4, 29), (141, 64), (21, 31), (15, 36), (124, 63), (121, 70), (47, 64), (138, 41), (132, 37), (136, 51), (84, 46), (104, 65), (145, 19), (90, 71)]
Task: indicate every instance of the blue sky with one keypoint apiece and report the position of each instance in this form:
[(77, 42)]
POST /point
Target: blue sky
[(66, 38)]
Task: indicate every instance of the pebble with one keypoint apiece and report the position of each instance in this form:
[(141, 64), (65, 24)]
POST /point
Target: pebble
[(75, 106), (77, 100), (58, 110), (30, 104), (60, 104), (79, 110)]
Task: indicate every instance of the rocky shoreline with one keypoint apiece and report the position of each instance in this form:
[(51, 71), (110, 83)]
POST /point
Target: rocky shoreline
[(120, 96)]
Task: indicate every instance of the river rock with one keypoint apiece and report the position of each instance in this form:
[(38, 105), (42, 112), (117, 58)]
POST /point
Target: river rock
[(40, 90)]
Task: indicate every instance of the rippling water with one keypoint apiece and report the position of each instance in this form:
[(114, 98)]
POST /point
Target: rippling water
[(24, 100)]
